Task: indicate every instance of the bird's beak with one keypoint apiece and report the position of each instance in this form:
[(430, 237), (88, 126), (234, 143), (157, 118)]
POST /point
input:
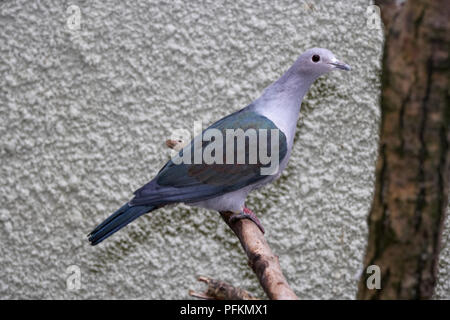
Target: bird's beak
[(340, 65)]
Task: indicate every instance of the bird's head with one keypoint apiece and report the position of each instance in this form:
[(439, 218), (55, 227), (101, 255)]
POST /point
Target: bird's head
[(318, 61)]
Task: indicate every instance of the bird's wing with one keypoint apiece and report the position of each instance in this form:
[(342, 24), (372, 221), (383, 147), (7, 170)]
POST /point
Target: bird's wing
[(196, 182)]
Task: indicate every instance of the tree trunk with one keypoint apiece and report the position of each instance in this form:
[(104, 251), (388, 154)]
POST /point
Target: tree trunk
[(412, 173)]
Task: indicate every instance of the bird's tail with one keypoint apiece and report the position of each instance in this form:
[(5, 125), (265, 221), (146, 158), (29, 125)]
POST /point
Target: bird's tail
[(116, 221)]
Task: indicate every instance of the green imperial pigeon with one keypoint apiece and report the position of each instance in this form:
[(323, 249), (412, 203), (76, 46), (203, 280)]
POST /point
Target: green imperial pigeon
[(267, 126)]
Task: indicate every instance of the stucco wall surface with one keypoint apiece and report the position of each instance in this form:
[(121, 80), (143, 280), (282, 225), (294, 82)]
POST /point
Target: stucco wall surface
[(85, 112)]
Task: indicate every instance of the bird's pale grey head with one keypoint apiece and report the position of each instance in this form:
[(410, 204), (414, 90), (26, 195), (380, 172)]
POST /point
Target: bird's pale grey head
[(318, 61)]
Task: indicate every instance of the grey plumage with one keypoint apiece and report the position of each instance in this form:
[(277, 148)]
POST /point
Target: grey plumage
[(224, 187)]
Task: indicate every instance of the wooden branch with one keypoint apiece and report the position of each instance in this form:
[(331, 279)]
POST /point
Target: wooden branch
[(176, 145), (261, 258), (219, 290)]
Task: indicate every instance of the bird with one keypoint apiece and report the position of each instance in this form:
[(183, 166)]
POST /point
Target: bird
[(224, 185)]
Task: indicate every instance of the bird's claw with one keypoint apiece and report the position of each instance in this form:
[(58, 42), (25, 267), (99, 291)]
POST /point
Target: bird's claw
[(247, 214)]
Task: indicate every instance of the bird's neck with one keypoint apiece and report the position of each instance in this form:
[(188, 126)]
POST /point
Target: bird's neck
[(281, 101)]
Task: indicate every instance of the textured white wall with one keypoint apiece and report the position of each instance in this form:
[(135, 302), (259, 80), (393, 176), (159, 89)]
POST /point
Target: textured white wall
[(84, 114)]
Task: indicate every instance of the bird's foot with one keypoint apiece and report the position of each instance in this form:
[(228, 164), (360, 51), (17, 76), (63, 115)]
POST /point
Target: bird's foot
[(247, 214)]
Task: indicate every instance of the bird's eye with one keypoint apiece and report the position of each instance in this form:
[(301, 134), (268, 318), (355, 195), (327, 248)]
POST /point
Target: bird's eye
[(315, 58)]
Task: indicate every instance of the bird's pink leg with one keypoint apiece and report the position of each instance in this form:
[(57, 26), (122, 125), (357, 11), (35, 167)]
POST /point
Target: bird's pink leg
[(247, 214)]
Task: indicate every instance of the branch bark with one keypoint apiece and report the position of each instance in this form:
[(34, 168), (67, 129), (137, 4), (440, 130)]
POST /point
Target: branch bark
[(260, 257), (413, 168), (219, 290)]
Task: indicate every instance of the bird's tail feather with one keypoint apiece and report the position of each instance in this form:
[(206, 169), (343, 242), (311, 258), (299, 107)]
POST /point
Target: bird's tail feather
[(116, 221)]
